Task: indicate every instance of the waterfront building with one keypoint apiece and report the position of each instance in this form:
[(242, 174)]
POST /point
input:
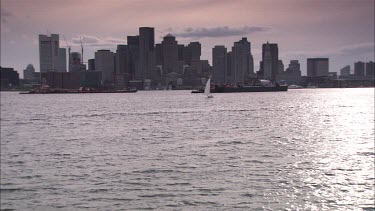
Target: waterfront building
[(370, 69), (219, 63), (345, 71), (105, 63), (28, 73), (270, 52), (146, 48), (292, 74), (72, 80), (317, 67), (8, 77), (359, 68), (51, 56)]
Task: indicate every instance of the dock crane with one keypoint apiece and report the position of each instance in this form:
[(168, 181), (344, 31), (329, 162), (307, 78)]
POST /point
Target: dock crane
[(80, 39)]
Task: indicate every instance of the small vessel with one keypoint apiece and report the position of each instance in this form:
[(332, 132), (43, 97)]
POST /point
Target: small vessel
[(207, 89), (293, 86), (198, 91)]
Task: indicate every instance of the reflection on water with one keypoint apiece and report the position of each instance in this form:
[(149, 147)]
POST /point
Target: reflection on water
[(302, 149)]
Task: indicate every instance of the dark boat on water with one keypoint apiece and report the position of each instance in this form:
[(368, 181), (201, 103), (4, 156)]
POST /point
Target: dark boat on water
[(260, 85), (224, 89), (45, 89)]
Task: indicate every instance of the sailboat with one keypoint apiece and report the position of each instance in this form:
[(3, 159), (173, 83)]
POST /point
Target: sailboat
[(207, 89)]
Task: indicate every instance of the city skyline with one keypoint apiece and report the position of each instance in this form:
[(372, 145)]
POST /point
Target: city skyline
[(345, 36)]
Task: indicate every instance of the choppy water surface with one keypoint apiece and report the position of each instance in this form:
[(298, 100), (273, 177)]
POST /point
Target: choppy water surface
[(172, 150)]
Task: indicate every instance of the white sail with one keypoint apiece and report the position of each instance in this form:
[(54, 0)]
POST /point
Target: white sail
[(208, 87)]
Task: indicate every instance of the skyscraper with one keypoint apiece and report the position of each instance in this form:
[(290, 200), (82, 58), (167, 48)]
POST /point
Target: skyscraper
[(146, 48), (192, 52), (219, 63), (240, 62), (133, 57), (370, 69), (91, 64), (122, 59), (229, 76), (105, 62), (62, 60), (295, 66), (273, 56), (49, 52), (267, 62), (359, 68), (317, 67), (170, 54)]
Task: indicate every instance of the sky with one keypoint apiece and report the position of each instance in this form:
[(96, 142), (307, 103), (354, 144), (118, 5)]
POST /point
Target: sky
[(342, 30)]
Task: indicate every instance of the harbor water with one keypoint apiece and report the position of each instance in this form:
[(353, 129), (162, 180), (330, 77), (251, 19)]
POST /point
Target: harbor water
[(309, 149)]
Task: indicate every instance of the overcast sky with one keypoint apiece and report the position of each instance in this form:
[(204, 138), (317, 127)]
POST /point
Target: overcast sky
[(342, 30)]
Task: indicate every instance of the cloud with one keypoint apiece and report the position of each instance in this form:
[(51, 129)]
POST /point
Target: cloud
[(5, 15), (89, 40), (361, 48), (221, 31), (349, 50)]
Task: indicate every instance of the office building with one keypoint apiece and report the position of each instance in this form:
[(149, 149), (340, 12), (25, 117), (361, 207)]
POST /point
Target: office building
[(8, 77), (317, 67), (219, 64), (133, 57), (75, 62), (49, 52), (359, 68), (370, 69), (345, 71), (61, 66), (28, 73), (229, 76), (169, 47), (91, 64), (240, 62), (105, 63), (292, 74), (146, 48), (122, 59), (192, 52), (267, 63), (270, 53)]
